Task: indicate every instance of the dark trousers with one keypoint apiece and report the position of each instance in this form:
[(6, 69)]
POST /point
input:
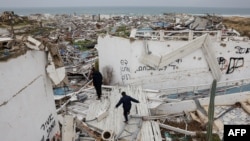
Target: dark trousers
[(125, 113), (98, 90)]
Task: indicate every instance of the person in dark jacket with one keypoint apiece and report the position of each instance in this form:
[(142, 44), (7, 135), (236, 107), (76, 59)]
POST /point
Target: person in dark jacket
[(97, 82), (126, 103)]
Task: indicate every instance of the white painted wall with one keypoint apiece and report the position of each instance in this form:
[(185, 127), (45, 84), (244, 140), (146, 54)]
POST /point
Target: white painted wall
[(124, 55), (27, 108)]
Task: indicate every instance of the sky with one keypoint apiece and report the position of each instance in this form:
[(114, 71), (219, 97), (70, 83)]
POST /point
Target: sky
[(91, 3)]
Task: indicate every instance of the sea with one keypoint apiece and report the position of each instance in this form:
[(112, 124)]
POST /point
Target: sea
[(222, 11)]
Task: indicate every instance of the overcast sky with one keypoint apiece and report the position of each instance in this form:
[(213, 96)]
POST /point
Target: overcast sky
[(178, 3)]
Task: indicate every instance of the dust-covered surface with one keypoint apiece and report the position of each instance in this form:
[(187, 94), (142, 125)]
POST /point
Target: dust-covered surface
[(190, 126)]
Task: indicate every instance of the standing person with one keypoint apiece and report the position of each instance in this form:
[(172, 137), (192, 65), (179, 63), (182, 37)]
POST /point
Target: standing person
[(97, 82), (126, 103)]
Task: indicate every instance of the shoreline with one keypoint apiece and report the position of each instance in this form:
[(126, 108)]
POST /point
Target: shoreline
[(123, 10), (238, 22)]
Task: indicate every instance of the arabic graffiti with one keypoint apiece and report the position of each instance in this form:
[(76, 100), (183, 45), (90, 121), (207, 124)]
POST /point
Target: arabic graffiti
[(125, 70)]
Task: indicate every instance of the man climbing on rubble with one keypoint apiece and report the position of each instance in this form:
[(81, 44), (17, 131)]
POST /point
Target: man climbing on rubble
[(126, 103), (97, 82)]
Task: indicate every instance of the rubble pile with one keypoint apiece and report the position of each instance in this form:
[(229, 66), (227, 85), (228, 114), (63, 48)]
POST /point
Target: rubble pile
[(74, 36)]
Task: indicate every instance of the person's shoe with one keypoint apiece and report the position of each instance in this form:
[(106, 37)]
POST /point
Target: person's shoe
[(128, 113), (98, 98), (126, 122)]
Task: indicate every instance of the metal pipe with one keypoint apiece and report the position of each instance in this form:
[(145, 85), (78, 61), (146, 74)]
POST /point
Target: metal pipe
[(177, 129), (108, 135)]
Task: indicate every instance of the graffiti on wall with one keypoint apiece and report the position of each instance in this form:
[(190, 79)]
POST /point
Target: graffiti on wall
[(125, 70), (231, 65), (172, 66), (241, 50), (222, 63), (235, 63), (48, 126)]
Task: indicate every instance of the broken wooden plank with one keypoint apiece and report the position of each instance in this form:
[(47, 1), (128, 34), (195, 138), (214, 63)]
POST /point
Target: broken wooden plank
[(148, 58), (81, 125), (177, 129), (211, 59), (68, 128), (183, 51), (56, 74), (245, 106)]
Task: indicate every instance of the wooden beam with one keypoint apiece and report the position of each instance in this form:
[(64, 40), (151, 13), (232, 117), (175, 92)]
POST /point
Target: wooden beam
[(183, 51), (68, 128), (177, 129), (148, 58), (84, 127), (211, 59)]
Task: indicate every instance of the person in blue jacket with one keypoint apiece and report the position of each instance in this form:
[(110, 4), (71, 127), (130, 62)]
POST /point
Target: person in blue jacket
[(126, 103)]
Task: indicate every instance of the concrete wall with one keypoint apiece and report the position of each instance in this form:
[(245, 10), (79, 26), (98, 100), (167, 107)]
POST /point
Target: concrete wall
[(190, 105), (27, 108), (124, 55)]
